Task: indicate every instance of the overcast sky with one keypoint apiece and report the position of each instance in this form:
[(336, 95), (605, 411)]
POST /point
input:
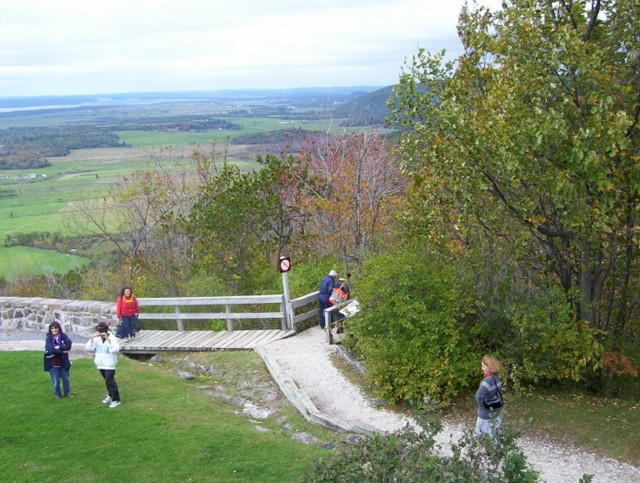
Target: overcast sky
[(57, 47)]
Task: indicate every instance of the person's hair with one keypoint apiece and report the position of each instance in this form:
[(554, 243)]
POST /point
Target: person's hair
[(55, 323), (102, 327), (493, 364), (124, 289)]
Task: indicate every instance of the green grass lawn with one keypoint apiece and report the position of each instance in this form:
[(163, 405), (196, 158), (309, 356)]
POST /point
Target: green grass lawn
[(167, 428), (20, 261)]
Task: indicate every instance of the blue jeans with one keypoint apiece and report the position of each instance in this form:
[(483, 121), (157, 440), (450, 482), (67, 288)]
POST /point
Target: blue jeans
[(490, 427), (130, 324), (56, 374)]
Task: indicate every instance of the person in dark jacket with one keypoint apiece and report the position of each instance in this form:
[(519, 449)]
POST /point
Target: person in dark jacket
[(57, 345), (489, 421), (326, 289)]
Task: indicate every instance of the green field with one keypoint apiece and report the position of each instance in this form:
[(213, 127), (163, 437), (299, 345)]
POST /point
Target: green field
[(18, 261), (44, 203)]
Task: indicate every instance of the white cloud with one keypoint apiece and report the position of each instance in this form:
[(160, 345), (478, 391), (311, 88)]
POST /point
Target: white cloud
[(80, 46)]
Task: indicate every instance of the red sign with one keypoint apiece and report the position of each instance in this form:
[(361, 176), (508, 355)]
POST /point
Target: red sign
[(284, 264)]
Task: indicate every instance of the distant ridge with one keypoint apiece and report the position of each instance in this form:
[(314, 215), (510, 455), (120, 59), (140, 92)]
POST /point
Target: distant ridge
[(332, 94), (367, 110)]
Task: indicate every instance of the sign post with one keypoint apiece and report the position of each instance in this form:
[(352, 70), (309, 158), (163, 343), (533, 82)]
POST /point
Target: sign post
[(284, 265)]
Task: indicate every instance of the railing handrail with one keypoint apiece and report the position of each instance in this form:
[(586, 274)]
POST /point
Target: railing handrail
[(228, 302), (223, 300)]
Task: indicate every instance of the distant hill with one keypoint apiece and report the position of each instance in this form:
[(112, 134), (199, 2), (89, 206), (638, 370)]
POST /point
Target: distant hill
[(367, 110), (302, 95)]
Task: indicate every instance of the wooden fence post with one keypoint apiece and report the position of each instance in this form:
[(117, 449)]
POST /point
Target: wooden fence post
[(179, 320), (227, 310)]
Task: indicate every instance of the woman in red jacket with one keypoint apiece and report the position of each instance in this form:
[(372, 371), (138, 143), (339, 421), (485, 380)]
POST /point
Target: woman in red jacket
[(127, 310)]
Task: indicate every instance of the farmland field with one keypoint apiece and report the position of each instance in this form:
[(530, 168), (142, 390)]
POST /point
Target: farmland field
[(20, 261), (42, 199)]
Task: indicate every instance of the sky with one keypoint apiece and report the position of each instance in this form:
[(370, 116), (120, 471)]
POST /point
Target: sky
[(66, 47)]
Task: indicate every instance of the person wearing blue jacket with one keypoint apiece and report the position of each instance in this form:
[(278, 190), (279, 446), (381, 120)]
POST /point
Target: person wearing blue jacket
[(326, 289), (57, 345)]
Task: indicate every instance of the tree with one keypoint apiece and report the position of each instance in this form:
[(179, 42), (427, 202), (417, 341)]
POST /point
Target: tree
[(530, 140), (139, 215), (243, 221), (353, 190)]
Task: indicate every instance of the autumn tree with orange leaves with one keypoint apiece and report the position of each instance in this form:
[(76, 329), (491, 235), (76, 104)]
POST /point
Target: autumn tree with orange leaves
[(356, 188)]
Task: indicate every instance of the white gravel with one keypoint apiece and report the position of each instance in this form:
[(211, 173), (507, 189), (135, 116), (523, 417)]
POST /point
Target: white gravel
[(306, 358)]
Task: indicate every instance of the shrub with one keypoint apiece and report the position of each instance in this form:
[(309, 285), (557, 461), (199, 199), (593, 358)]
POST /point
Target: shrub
[(411, 456), (542, 342), (415, 333)]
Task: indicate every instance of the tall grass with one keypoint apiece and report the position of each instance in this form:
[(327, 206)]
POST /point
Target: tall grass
[(166, 429)]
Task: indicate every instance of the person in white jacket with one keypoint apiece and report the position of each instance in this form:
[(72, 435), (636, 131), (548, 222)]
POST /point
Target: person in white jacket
[(105, 345)]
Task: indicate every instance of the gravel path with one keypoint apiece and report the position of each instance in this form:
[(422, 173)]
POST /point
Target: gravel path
[(306, 357)]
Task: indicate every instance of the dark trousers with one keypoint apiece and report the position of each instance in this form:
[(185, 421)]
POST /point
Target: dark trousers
[(130, 324), (323, 304), (109, 376)]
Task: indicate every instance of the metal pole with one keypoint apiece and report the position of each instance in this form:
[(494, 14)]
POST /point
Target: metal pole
[(288, 316)]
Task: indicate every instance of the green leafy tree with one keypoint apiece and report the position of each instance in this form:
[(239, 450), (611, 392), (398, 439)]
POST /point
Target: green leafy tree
[(243, 222), (530, 140)]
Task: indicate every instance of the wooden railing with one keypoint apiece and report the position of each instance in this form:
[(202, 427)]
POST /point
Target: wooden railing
[(328, 315), (286, 314)]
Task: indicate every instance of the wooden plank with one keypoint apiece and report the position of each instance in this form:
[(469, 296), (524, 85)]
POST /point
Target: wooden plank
[(259, 339), (210, 340), (236, 336), (273, 337), (270, 336), (198, 337), (191, 337), (153, 341), (245, 341)]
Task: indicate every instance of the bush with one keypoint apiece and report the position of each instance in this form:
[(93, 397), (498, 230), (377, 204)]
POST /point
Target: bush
[(414, 331), (547, 344), (410, 456)]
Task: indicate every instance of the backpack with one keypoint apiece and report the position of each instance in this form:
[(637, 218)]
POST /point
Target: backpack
[(338, 295), (494, 401)]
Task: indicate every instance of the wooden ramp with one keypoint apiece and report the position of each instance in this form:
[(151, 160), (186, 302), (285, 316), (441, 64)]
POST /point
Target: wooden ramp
[(154, 341)]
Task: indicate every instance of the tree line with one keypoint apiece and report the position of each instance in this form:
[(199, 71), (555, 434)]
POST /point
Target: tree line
[(28, 148)]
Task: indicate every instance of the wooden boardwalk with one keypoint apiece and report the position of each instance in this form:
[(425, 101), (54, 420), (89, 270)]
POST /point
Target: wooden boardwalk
[(154, 341)]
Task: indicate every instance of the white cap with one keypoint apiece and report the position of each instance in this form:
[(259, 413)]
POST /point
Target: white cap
[(333, 273)]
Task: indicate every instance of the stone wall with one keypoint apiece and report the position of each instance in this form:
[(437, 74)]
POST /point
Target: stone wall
[(35, 313)]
